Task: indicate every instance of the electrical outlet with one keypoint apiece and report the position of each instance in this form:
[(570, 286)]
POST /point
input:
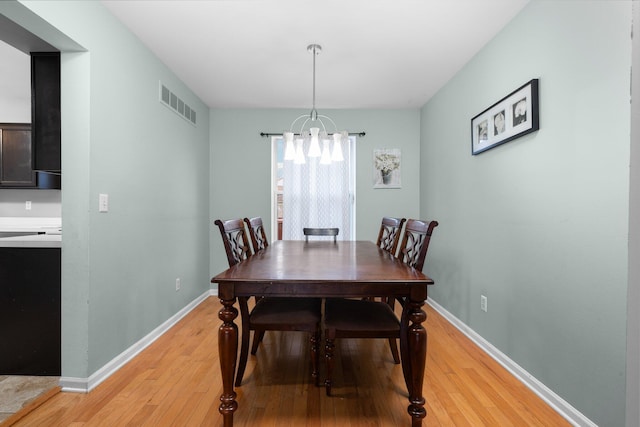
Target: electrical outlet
[(27, 205), (483, 303), (178, 284)]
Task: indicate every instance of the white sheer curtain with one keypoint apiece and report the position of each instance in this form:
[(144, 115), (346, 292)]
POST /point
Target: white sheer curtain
[(316, 195)]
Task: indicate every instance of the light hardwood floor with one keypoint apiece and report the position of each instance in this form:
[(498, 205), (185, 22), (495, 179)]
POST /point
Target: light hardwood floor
[(176, 382)]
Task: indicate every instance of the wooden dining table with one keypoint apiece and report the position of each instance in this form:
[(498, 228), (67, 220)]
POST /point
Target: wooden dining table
[(326, 269)]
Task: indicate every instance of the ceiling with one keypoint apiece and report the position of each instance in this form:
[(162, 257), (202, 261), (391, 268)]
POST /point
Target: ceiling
[(253, 53), (375, 53)]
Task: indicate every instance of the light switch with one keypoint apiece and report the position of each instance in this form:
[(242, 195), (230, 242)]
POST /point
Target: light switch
[(103, 203)]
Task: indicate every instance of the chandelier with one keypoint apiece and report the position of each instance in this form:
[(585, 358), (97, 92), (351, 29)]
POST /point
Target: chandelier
[(316, 133), (295, 138)]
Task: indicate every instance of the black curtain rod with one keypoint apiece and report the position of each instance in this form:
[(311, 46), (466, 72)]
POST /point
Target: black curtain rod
[(268, 134)]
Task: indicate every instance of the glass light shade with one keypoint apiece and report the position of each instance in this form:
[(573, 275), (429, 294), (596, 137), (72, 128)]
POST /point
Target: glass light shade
[(289, 149), (314, 148), (299, 159), (326, 157), (336, 155)]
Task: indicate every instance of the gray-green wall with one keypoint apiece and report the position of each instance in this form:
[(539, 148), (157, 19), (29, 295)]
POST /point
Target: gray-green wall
[(120, 267), (539, 225), (241, 165)]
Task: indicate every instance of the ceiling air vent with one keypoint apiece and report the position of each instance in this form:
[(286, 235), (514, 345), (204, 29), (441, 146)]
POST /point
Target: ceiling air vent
[(172, 101)]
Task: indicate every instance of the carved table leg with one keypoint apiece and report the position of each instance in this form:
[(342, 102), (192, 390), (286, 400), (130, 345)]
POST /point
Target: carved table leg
[(328, 356), (315, 354), (228, 351), (414, 356)]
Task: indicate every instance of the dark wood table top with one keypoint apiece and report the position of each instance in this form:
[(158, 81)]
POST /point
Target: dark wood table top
[(321, 268)]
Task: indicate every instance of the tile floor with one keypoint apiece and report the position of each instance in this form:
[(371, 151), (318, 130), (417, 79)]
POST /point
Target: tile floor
[(16, 391)]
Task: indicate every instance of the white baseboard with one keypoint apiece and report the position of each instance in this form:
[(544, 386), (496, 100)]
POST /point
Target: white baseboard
[(562, 407), (85, 385)]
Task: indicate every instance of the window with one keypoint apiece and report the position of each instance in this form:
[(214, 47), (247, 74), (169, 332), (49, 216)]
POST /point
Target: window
[(311, 194)]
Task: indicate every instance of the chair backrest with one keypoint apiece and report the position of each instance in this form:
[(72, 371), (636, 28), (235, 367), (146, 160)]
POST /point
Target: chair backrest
[(310, 231), (257, 233), (389, 235), (415, 242), (235, 240)]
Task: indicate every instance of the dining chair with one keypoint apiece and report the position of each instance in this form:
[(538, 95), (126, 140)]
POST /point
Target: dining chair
[(268, 314), (351, 318), (234, 238), (259, 242), (315, 231), (389, 234), (256, 233), (388, 239)]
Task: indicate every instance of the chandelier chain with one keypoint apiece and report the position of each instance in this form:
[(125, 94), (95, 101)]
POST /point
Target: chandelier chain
[(315, 50), (313, 102)]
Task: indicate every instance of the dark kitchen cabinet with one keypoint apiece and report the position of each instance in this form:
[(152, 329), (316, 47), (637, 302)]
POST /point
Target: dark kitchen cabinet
[(30, 311), (15, 156), (45, 111), (16, 160)]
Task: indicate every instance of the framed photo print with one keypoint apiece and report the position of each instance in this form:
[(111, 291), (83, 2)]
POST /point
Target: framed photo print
[(513, 116), (386, 168)]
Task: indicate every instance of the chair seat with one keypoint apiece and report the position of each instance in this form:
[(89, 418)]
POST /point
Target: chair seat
[(288, 313), (347, 315)]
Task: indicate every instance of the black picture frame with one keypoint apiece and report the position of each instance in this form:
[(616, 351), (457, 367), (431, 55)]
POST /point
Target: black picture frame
[(513, 116)]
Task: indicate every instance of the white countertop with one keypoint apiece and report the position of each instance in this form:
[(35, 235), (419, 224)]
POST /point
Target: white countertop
[(30, 224), (32, 241), (42, 232)]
